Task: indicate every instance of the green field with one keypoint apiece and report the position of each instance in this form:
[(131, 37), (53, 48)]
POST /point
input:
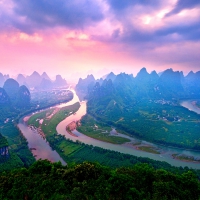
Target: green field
[(93, 128), (168, 124), (77, 152), (49, 128), (34, 119), (20, 154), (149, 149), (49, 125)]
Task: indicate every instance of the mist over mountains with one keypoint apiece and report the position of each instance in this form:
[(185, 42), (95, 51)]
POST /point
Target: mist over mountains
[(36, 81), (16, 92), (146, 106), (170, 84)]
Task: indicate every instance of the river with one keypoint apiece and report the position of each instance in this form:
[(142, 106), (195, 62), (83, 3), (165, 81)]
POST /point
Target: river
[(42, 151), (190, 105)]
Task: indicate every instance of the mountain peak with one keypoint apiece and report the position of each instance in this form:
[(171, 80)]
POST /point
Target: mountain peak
[(35, 74), (44, 75), (111, 76), (190, 73), (154, 72), (90, 76), (142, 74), (154, 75)]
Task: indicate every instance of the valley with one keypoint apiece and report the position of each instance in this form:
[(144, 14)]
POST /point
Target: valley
[(131, 145)]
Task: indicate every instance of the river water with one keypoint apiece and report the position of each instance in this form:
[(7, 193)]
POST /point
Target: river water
[(190, 106), (44, 151), (129, 149), (38, 145)]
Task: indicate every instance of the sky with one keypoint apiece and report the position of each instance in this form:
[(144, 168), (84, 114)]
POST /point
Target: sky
[(74, 38)]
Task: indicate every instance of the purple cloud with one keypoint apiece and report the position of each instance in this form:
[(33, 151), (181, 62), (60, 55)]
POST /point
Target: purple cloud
[(183, 4), (40, 14)]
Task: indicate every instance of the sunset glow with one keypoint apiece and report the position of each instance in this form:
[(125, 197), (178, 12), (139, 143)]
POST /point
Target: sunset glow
[(69, 37)]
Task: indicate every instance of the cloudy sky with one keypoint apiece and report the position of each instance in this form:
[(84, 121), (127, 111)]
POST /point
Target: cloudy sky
[(69, 36)]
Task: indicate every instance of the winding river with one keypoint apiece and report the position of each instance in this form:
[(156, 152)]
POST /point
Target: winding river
[(45, 152)]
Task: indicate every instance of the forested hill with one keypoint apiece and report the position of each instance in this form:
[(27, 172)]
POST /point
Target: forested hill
[(147, 106), (170, 84), (4, 153), (13, 94), (45, 180)]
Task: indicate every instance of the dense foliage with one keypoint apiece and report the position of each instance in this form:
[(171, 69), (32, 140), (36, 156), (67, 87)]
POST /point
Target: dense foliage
[(19, 153), (78, 152), (3, 141), (45, 180), (148, 107)]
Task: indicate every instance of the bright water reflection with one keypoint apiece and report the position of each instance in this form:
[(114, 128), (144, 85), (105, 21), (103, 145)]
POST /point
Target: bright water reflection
[(40, 146)]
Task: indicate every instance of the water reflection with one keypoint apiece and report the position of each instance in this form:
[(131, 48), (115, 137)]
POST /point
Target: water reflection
[(40, 147)]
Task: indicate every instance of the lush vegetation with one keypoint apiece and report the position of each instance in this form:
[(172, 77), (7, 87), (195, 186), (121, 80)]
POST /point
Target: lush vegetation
[(77, 152), (101, 131), (149, 149), (197, 103), (18, 143), (3, 141), (165, 124), (11, 162), (146, 106), (45, 180), (20, 155)]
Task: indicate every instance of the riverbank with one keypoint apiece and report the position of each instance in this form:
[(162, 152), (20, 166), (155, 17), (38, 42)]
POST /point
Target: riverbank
[(94, 129), (58, 143), (185, 158), (72, 126)]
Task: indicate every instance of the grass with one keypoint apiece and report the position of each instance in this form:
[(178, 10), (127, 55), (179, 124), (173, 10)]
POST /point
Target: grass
[(185, 158), (33, 120), (61, 145), (51, 124), (148, 149), (103, 136), (94, 129), (68, 147)]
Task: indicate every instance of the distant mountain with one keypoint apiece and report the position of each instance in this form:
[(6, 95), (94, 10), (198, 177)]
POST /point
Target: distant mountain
[(170, 84), (4, 98), (144, 85), (191, 84), (45, 84), (45, 76), (2, 79), (21, 79), (34, 80), (23, 96), (147, 106), (11, 87), (111, 76), (59, 82), (142, 76), (41, 82), (84, 85), (6, 77), (14, 94), (100, 81), (154, 77)]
